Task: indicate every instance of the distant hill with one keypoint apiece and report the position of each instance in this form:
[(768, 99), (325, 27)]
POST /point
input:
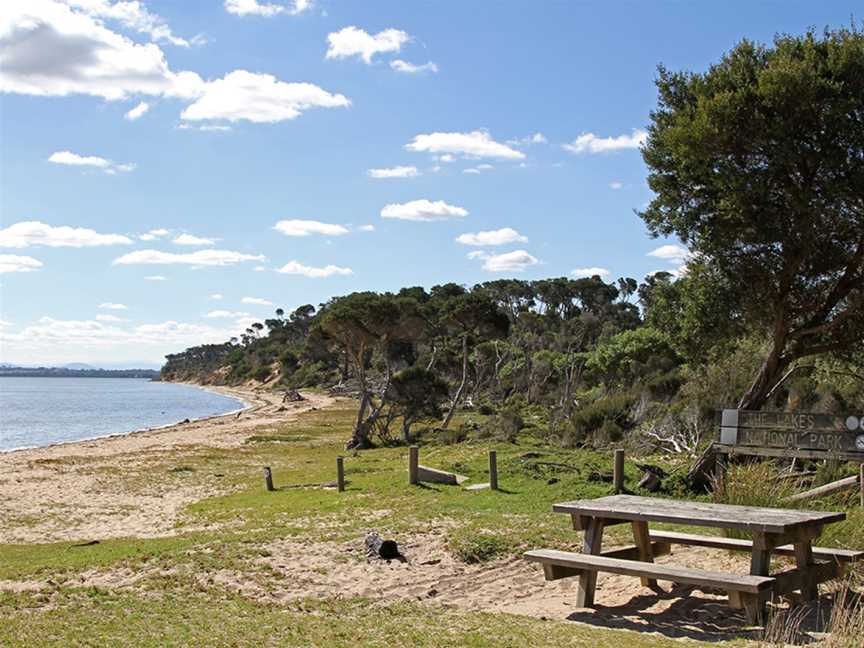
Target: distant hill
[(78, 366), (73, 371)]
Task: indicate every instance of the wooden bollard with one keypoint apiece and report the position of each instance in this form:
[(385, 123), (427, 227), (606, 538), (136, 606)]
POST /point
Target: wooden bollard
[(268, 478), (493, 470), (618, 472), (861, 483), (413, 462), (340, 474)]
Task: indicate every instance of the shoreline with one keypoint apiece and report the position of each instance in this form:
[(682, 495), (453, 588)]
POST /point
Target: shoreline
[(230, 392)]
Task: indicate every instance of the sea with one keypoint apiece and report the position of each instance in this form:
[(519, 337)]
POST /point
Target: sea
[(37, 412)]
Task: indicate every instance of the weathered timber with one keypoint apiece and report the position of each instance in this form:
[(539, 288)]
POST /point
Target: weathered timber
[(628, 552), (728, 516), (435, 476), (592, 544), (493, 470), (618, 472), (268, 478), (650, 481), (786, 453), (735, 544), (340, 474), (834, 487), (413, 458), (640, 536), (697, 577), (861, 483)]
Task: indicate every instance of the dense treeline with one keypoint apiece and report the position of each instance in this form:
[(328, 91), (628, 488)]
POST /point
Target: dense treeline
[(756, 165)]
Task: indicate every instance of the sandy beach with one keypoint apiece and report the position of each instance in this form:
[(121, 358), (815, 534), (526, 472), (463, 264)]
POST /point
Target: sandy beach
[(61, 492)]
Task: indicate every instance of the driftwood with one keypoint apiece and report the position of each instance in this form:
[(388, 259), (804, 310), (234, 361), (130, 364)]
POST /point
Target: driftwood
[(834, 487), (378, 547), (292, 396)]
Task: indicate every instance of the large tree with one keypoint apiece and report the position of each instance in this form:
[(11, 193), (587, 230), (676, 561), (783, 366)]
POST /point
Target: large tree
[(758, 167)]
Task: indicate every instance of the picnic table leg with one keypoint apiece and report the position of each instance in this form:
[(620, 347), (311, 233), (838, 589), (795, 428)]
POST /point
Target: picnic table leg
[(588, 579), (643, 542), (804, 561), (760, 565)]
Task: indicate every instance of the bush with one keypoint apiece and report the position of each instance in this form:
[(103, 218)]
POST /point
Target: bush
[(610, 415), (261, 373)]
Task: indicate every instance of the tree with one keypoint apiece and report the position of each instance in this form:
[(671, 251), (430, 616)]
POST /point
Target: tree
[(758, 167), (417, 394)]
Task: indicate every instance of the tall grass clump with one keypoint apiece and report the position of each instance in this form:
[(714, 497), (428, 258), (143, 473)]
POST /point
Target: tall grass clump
[(752, 484)]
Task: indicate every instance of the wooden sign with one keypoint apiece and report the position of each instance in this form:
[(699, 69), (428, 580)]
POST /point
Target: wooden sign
[(842, 436)]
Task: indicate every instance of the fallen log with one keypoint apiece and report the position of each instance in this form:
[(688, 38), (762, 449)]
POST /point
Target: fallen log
[(378, 547), (432, 475), (834, 487)]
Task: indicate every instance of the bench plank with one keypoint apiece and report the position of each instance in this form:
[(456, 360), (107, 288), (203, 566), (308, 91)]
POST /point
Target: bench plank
[(728, 516), (698, 577), (734, 544)]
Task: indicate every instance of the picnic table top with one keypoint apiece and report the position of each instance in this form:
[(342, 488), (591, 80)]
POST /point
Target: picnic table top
[(725, 516)]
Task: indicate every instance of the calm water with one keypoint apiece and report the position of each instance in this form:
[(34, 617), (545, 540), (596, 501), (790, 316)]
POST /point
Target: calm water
[(42, 411)]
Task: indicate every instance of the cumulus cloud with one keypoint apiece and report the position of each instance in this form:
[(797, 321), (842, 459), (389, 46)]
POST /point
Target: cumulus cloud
[(17, 263), (671, 253), (590, 143), (367, 228), (258, 98), (410, 68), (105, 317), (297, 227), (197, 258), (189, 239), (257, 301), (69, 158), (153, 234), (297, 268), (35, 233), (394, 172), (501, 236), (265, 9), (352, 41), (133, 15), (226, 314), (423, 210), (137, 111), (516, 261), (48, 48), (536, 138), (113, 306), (476, 144), (589, 272)]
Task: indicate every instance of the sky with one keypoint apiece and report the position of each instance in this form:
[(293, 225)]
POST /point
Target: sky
[(171, 171)]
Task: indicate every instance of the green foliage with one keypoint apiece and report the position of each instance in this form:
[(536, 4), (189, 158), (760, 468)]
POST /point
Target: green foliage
[(630, 355), (477, 547), (609, 416)]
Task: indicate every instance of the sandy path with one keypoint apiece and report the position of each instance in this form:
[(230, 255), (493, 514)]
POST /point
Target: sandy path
[(69, 491)]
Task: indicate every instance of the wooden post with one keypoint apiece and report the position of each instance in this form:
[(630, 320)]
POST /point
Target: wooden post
[(413, 462), (493, 470), (618, 473), (268, 478), (340, 474), (861, 483)]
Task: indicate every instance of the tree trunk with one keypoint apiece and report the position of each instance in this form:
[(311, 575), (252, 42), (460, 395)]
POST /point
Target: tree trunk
[(458, 397), (770, 373), (360, 437)]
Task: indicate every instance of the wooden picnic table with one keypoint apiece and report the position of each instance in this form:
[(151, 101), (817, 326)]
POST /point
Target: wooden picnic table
[(781, 531)]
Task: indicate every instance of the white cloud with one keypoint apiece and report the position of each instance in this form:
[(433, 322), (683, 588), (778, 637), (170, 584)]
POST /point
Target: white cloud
[(590, 143), (589, 272), (189, 239), (265, 9), (501, 236), (133, 15), (34, 233), (367, 228), (473, 171), (197, 258), (516, 261), (259, 269), (352, 41), (156, 278), (258, 98), (616, 185), (226, 314), (476, 144), (257, 301), (297, 268), (216, 297), (308, 227), (394, 172), (69, 158), (104, 317), (50, 49), (16, 263), (480, 168), (536, 138), (671, 253), (113, 306), (446, 158), (423, 210), (137, 111), (153, 234), (410, 68)]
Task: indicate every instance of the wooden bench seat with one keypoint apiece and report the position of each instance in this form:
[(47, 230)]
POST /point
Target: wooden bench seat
[(734, 544), (561, 564)]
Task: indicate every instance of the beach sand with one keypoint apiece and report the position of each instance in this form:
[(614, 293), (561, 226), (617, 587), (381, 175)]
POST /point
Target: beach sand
[(70, 491)]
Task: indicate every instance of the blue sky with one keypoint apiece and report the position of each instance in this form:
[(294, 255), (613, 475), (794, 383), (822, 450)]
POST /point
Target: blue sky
[(514, 126)]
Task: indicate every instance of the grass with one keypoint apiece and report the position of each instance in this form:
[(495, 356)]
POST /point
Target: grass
[(171, 604)]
